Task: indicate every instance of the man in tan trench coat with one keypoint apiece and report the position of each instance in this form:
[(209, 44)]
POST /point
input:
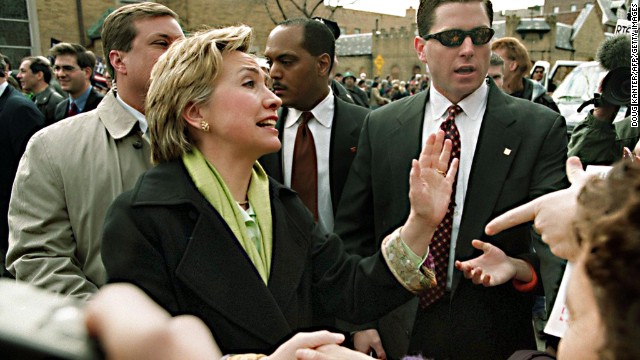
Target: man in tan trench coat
[(72, 170)]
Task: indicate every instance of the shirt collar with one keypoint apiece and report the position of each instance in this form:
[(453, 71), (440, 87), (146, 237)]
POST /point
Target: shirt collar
[(3, 87), (471, 105), (81, 101), (142, 121), (323, 112)]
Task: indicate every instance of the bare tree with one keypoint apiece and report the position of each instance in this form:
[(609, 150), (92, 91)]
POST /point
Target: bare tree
[(280, 10)]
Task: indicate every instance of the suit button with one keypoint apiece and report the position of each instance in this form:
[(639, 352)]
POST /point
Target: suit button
[(137, 144)]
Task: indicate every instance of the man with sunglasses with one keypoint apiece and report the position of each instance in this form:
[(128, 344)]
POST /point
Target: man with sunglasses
[(73, 66), (506, 159)]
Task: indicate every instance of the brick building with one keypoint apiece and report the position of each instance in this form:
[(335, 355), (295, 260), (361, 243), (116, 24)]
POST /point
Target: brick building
[(31, 26), (371, 43)]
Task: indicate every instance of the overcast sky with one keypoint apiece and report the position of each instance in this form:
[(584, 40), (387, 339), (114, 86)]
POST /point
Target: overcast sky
[(397, 7)]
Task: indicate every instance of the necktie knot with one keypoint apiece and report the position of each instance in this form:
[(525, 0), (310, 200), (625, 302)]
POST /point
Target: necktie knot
[(73, 110), (453, 110), (306, 116)]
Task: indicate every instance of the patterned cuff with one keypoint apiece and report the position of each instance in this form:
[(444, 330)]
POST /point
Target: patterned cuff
[(404, 270), (244, 357)]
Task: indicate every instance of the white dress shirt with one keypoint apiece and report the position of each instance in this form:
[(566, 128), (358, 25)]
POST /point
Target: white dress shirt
[(320, 127), (142, 121), (468, 123), (3, 86)]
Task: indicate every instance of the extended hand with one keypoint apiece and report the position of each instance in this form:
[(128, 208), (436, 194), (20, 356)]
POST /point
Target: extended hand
[(552, 214), (430, 181), (366, 340), (312, 340), (331, 352), (491, 268)]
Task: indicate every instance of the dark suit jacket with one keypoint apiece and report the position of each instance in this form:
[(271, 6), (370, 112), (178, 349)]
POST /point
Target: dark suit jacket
[(166, 238), (92, 102), (19, 119), (375, 201), (345, 130), (47, 101)]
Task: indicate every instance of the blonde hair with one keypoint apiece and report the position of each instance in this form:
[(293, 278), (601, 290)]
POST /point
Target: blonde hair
[(515, 52), (184, 75)]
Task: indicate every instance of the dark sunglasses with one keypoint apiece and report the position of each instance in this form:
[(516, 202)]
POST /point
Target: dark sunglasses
[(455, 37)]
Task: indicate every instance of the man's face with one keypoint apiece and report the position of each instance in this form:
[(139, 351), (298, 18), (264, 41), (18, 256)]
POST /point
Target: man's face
[(154, 36), (495, 72), (71, 77), (28, 80), (349, 82), (538, 74), (510, 66), (458, 71), (299, 78)]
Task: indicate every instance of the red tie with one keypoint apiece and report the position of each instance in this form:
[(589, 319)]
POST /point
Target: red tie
[(441, 241), (304, 170), (73, 110)]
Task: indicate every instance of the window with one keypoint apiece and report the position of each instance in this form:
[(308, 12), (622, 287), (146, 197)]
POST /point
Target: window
[(356, 31), (556, 9), (15, 31), (574, 7)]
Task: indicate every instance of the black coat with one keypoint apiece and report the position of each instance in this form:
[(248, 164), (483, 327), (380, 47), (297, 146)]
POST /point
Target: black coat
[(166, 238), (47, 102), (92, 102), (19, 119)]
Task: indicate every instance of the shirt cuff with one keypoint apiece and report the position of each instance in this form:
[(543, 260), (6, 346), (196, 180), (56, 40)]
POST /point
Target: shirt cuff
[(415, 259), (243, 357), (413, 278), (522, 286)]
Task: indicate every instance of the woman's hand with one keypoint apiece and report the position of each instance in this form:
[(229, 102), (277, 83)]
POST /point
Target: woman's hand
[(431, 183), (302, 341)]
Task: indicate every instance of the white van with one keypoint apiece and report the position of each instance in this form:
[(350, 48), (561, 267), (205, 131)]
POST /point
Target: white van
[(579, 86)]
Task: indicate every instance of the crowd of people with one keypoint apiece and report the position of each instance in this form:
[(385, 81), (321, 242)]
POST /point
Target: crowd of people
[(268, 207)]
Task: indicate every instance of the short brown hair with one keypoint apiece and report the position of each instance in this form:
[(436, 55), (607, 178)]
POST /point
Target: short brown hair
[(118, 31), (183, 75), (427, 11), (608, 224), (85, 58), (515, 52)]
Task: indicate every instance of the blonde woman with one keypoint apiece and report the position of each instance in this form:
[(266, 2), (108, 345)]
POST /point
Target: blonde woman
[(207, 233)]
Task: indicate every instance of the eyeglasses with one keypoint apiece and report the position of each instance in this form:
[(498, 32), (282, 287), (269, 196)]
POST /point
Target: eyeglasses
[(455, 37), (65, 68)]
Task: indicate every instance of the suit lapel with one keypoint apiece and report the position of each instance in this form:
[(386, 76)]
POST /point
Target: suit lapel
[(5, 96), (272, 163), (497, 147), (344, 133), (406, 138), (288, 258), (216, 268)]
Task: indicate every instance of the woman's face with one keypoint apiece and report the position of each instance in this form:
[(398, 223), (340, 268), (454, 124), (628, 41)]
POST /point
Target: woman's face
[(584, 335), (242, 110)]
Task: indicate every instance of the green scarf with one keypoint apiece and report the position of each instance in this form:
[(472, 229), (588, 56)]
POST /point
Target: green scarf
[(213, 188)]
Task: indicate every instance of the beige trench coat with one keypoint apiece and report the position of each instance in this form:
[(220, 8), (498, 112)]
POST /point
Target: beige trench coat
[(69, 175)]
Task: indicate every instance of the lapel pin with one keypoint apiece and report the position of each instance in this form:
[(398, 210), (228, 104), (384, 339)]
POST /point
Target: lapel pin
[(507, 151), (353, 149)]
